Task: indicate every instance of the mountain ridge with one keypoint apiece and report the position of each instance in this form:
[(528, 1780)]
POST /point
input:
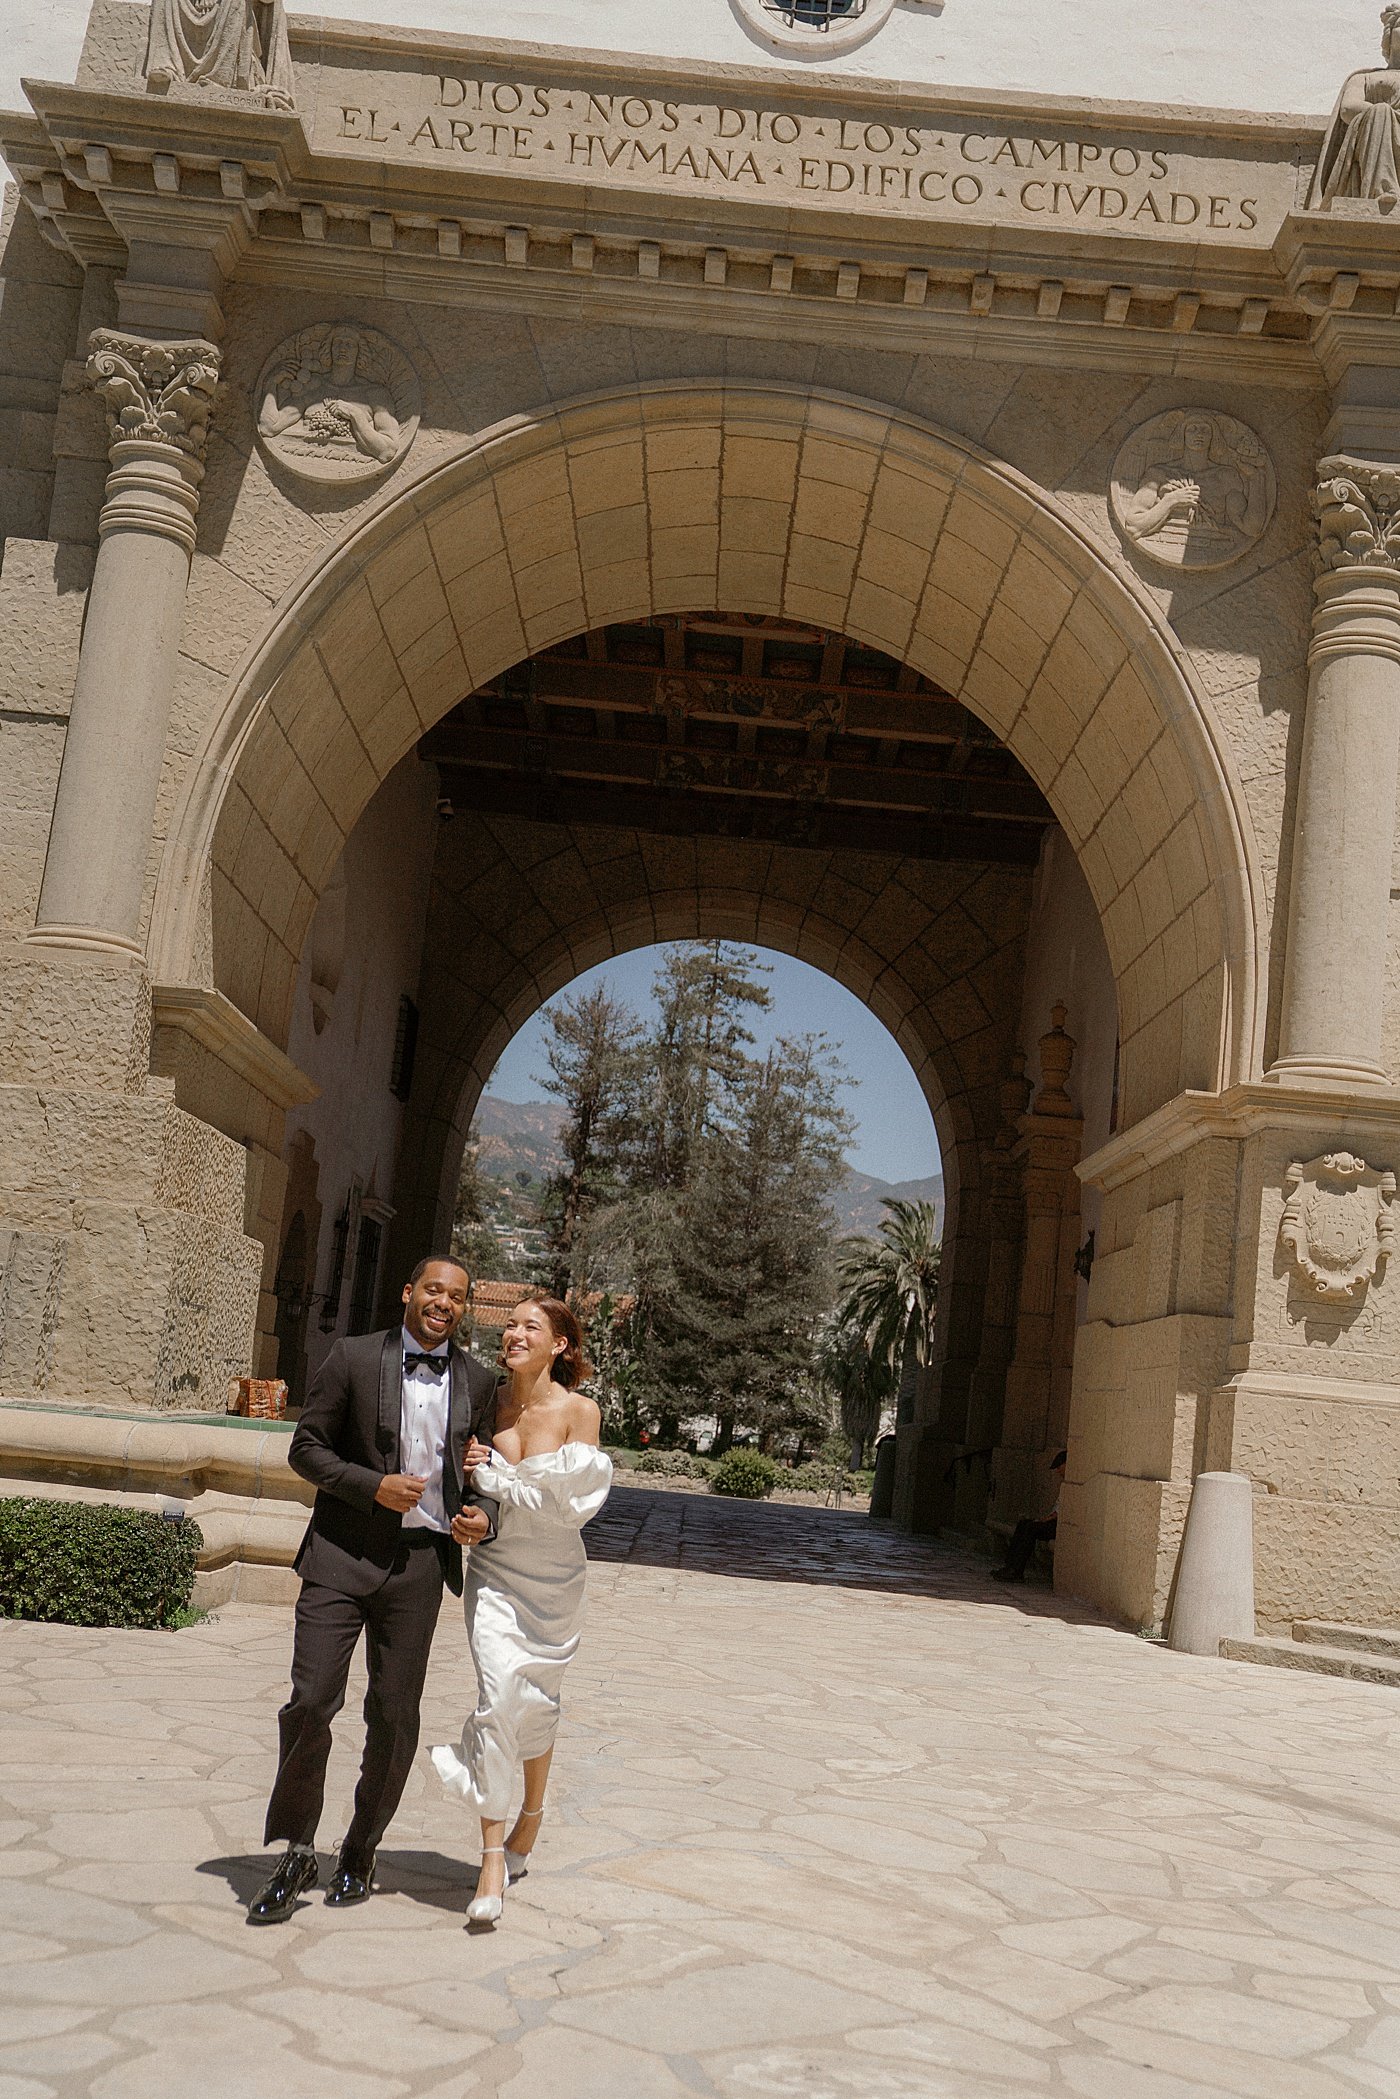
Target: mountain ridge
[(522, 1137)]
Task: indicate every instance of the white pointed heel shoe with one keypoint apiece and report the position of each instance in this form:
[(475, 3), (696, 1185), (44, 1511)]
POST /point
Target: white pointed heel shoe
[(486, 1909), (518, 1862)]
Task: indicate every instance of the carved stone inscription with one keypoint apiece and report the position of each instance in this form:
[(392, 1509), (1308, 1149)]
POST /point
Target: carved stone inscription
[(1338, 1224), (916, 167)]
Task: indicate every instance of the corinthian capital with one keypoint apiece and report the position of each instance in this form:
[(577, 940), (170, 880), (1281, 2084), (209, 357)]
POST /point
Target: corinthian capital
[(1357, 507), (161, 392)]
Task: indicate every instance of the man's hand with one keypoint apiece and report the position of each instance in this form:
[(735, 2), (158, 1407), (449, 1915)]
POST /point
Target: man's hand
[(400, 1490), (470, 1527)]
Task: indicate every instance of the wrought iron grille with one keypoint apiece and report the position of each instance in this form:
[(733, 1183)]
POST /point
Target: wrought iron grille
[(814, 14)]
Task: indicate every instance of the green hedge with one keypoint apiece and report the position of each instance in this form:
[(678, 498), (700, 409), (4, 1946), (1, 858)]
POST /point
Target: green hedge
[(85, 1563), (673, 1464), (746, 1473)]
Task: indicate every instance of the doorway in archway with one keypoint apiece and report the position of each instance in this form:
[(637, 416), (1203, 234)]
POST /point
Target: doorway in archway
[(755, 780), (700, 1143)]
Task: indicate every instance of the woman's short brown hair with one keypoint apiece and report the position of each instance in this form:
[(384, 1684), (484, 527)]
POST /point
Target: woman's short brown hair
[(570, 1367)]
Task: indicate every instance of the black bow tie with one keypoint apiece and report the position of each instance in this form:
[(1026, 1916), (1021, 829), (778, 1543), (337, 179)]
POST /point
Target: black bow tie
[(437, 1364)]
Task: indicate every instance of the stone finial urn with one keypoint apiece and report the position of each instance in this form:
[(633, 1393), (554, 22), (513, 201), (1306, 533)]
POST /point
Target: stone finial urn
[(1056, 1059)]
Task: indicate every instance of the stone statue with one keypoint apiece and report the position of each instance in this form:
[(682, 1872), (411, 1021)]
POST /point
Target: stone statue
[(338, 402), (221, 43), (1361, 152), (1193, 488)]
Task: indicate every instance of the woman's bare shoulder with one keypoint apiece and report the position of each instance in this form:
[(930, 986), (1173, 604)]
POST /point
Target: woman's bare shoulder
[(585, 1420)]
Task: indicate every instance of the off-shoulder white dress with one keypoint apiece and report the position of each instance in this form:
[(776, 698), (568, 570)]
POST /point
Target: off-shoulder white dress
[(523, 1597)]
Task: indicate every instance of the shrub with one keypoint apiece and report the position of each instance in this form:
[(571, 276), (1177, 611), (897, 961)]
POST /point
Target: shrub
[(746, 1473), (673, 1464), (85, 1563)]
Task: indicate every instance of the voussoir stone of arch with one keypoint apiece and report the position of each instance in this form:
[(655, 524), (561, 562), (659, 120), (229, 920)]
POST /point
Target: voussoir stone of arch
[(1193, 489), (338, 402)]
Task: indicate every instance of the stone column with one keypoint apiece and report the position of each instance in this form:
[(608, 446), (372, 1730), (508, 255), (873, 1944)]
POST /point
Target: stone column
[(1344, 834), (1006, 1217), (1036, 1415), (158, 396)]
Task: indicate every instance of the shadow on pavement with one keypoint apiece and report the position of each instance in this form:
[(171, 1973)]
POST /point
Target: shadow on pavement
[(429, 1877), (780, 1542)]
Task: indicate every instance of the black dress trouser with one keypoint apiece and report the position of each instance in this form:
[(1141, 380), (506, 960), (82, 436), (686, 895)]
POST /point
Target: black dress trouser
[(1024, 1539), (398, 1620)]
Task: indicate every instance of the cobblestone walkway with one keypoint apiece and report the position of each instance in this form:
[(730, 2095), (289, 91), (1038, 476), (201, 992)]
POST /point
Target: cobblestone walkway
[(835, 1818)]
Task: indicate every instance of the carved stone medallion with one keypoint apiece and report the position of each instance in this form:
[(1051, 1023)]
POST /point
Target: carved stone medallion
[(1193, 489), (1338, 1224), (338, 402)]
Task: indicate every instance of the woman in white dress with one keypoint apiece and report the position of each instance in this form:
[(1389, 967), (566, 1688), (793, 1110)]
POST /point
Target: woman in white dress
[(524, 1589)]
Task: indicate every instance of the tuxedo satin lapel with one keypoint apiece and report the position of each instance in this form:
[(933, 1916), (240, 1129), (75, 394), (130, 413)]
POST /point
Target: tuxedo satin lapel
[(390, 1399), (459, 1417)]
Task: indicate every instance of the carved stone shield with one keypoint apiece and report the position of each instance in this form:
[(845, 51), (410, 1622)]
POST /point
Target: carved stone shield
[(1338, 1224)]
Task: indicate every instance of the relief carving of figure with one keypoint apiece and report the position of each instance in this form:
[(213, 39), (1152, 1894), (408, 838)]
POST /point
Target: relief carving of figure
[(221, 43), (1361, 152), (338, 403), (1193, 488), (1338, 1224)]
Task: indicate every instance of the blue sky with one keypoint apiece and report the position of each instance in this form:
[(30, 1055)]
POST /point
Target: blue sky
[(894, 1138)]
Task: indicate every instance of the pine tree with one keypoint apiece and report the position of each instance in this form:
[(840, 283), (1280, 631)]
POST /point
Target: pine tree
[(704, 993), (750, 1262), (474, 1236), (592, 1053)]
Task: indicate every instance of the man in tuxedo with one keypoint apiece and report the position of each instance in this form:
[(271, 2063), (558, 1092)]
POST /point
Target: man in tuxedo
[(387, 1437)]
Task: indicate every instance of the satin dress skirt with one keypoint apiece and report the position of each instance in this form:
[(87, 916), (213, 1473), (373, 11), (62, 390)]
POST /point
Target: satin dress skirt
[(523, 1597)]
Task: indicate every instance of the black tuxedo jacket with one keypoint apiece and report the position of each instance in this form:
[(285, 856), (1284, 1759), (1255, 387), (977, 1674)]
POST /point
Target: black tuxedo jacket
[(348, 1438)]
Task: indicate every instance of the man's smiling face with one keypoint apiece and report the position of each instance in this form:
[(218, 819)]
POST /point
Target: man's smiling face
[(433, 1306)]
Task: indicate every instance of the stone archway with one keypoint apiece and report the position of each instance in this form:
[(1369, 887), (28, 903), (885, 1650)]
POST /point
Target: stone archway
[(681, 498), (810, 506)]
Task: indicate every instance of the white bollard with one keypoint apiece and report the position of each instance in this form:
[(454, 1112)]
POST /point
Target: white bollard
[(1215, 1579)]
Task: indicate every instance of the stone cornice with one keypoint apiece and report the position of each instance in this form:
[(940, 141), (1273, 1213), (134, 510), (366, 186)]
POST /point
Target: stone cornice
[(216, 1024), (1234, 1115), (1238, 284)]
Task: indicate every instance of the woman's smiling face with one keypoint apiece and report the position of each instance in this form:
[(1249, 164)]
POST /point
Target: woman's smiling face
[(529, 1342)]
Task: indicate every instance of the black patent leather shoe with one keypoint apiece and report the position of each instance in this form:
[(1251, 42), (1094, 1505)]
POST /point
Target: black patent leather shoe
[(352, 1880), (296, 1872)]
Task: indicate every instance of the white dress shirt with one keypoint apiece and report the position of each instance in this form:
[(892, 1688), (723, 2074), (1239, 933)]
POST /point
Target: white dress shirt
[(423, 1420)]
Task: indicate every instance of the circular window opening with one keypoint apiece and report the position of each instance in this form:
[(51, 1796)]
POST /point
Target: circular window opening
[(818, 28), (815, 14)]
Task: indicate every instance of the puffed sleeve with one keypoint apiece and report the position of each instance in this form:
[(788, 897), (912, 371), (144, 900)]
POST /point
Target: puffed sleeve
[(568, 1485), (506, 1482), (581, 1483)]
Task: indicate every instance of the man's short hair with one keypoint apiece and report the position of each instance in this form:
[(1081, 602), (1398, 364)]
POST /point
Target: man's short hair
[(1060, 1458), (432, 1260)]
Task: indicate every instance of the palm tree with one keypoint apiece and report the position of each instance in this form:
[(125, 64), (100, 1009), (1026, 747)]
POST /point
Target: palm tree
[(890, 1285), (863, 1384)]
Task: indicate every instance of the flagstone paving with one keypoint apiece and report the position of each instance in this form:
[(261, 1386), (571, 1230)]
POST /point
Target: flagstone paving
[(834, 1818)]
